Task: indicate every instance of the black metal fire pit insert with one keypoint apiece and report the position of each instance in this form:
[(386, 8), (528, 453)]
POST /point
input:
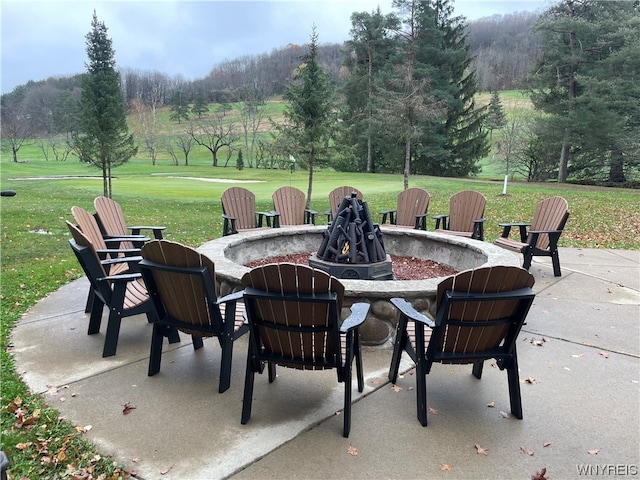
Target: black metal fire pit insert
[(352, 245)]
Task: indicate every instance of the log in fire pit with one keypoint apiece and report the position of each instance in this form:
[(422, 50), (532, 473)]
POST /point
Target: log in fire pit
[(352, 246)]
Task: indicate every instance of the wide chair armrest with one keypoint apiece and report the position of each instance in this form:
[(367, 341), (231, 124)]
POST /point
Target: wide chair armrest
[(131, 260), (391, 214), (232, 296), (506, 229), (358, 316), (124, 278), (157, 230), (407, 309), (113, 241), (441, 218), (310, 216), (272, 217), (229, 225), (421, 221), (127, 252)]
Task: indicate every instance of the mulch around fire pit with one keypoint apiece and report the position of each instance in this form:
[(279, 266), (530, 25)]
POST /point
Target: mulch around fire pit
[(404, 268)]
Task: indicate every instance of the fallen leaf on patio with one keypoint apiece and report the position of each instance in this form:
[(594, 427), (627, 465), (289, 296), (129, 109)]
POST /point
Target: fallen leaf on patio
[(433, 410), (446, 466), (528, 452), (351, 450), (504, 414), (546, 444), (62, 399), (481, 450), (136, 459), (491, 405), (127, 408), (578, 355), (375, 382), (530, 380), (396, 388), (166, 470), (541, 475), (603, 354), (409, 389), (593, 451), (51, 390)]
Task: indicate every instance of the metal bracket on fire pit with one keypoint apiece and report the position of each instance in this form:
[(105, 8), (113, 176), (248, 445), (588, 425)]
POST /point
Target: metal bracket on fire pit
[(352, 245)]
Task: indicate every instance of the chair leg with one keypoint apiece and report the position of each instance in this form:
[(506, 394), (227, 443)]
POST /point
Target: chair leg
[(514, 387), (528, 256), (358, 353), (247, 397), (225, 363), (346, 428), (421, 375), (90, 297), (155, 356), (95, 318), (398, 347), (113, 331), (196, 341), (555, 259), (271, 370), (477, 369)]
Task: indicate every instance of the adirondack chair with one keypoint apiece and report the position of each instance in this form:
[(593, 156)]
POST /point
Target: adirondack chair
[(239, 212), (411, 210), (335, 197), (465, 217), (549, 220), (289, 203), (112, 222), (107, 247), (182, 285), (479, 315), (125, 294), (294, 317)]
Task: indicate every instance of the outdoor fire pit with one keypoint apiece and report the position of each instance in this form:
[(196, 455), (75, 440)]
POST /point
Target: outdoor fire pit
[(232, 253), (352, 245)]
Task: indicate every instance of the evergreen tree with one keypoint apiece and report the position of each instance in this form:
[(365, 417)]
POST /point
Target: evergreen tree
[(179, 108), (586, 83), (102, 138), (368, 51), (496, 117), (239, 161), (309, 113), (200, 106)]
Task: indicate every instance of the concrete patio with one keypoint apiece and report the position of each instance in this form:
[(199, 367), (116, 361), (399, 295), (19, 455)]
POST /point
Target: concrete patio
[(579, 358)]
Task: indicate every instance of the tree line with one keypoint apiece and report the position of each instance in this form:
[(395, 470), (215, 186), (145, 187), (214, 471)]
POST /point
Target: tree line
[(406, 84)]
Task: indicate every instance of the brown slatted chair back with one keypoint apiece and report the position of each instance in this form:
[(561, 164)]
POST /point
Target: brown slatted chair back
[(550, 214), (289, 203), (111, 216), (411, 202), (241, 204), (464, 208), (455, 337), (337, 194), (307, 333)]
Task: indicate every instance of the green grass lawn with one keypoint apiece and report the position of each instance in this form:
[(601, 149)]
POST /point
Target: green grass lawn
[(36, 257)]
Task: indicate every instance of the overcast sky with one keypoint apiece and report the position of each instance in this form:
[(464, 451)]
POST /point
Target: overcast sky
[(40, 39)]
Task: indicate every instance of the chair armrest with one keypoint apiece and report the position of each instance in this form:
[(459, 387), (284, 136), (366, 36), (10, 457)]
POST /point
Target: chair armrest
[(268, 215), (157, 230), (228, 225), (421, 221), (478, 229), (232, 296), (407, 309), (441, 218), (554, 236), (310, 216), (358, 316), (113, 261), (391, 214), (328, 214), (113, 241), (125, 277), (506, 229)]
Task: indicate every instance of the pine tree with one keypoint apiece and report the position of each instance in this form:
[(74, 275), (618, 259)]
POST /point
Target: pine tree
[(179, 108), (102, 138), (496, 117), (239, 161), (200, 106), (308, 112)]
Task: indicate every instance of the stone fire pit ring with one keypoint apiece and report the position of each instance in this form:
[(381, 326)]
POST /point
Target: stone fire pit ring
[(232, 252)]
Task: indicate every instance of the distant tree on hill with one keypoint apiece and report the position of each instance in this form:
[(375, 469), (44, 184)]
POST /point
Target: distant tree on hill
[(179, 107), (103, 137), (200, 106), (496, 117)]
